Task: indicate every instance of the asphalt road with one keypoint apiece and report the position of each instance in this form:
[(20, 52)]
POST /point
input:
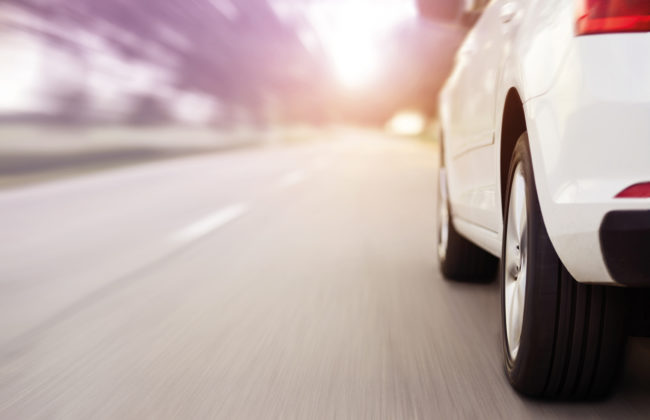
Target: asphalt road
[(283, 282)]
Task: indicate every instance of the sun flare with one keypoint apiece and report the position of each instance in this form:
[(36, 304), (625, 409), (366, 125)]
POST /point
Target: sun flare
[(352, 34)]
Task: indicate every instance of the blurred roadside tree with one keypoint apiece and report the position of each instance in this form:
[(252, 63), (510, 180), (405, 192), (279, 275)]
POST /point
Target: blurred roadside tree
[(133, 58)]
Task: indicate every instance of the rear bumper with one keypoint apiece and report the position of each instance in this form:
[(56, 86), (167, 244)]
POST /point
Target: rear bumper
[(590, 139), (625, 244)]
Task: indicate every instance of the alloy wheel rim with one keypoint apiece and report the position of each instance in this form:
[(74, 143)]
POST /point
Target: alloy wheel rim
[(443, 212), (516, 256)]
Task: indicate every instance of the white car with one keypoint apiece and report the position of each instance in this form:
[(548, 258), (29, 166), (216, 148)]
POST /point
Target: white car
[(545, 164)]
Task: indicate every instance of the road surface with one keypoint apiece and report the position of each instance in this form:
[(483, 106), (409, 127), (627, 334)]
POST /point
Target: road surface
[(282, 282)]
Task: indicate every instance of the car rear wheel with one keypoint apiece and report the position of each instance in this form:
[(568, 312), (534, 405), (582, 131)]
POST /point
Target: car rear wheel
[(458, 258), (562, 339)]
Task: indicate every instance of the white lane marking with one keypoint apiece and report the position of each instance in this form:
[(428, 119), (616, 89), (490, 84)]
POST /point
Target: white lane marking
[(291, 179), (210, 223)]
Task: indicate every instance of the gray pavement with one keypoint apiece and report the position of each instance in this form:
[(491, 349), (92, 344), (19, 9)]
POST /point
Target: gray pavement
[(288, 282)]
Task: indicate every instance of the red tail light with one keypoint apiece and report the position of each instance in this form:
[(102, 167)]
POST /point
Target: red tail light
[(641, 190), (606, 16)]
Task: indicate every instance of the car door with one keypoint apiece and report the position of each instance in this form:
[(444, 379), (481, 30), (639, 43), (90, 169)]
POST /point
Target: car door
[(473, 169)]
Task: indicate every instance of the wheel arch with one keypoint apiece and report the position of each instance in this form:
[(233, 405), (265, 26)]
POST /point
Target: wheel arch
[(513, 125)]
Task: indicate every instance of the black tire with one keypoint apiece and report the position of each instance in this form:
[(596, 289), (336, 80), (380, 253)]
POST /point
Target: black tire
[(572, 336), (458, 258)]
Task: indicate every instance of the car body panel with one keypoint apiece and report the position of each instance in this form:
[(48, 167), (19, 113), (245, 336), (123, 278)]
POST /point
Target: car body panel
[(590, 139), (587, 105)]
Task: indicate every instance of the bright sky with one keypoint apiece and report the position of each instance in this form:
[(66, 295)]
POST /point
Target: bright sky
[(351, 33)]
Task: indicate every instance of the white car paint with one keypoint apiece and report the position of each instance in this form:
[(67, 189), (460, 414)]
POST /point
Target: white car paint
[(587, 106)]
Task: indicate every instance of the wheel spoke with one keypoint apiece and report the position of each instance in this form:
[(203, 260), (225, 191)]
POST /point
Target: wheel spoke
[(512, 318), (522, 222), (513, 302), (521, 288), (443, 216), (518, 305), (515, 261), (512, 235), (519, 203)]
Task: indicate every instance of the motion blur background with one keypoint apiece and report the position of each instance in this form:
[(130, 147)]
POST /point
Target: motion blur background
[(216, 64)]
